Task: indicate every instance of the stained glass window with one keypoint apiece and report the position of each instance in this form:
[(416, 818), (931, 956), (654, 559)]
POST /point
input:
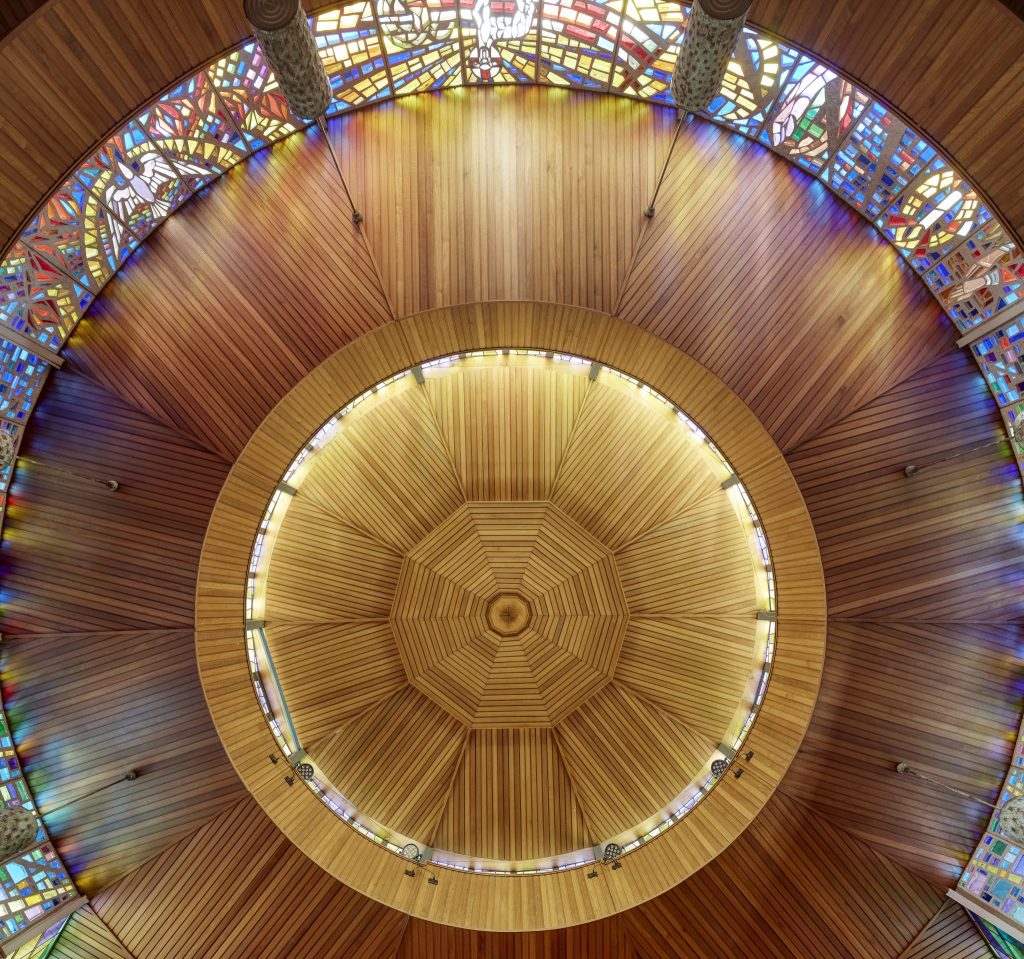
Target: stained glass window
[(813, 114), (980, 277), (249, 91), (933, 214), (500, 39), (578, 40), (995, 873), (21, 377), (33, 883), (758, 69), (647, 48), (193, 128), (131, 184), (350, 47), (38, 300), (77, 234), (878, 159), (999, 355), (40, 945), (422, 43)]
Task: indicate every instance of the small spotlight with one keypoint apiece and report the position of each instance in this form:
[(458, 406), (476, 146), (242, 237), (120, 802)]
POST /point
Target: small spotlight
[(432, 881), (616, 865), (411, 873), (592, 874)]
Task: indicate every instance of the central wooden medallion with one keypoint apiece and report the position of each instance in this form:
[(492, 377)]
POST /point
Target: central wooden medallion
[(508, 614)]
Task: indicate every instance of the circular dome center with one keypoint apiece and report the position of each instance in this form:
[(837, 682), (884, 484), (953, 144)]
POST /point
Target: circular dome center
[(512, 582), (508, 614)]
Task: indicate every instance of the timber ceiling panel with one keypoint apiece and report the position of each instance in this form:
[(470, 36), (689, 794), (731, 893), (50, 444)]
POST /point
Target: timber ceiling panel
[(322, 697), (950, 935), (282, 307), (693, 668), (355, 474), (323, 585), (83, 562), (792, 884), (628, 468), (940, 696), (510, 166), (934, 548), (598, 743), (512, 798), (279, 902), (396, 761), (797, 372), (507, 450), (849, 471), (101, 704), (789, 863), (86, 937)]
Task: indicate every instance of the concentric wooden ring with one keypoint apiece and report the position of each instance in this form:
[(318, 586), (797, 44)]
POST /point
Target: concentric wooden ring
[(489, 901)]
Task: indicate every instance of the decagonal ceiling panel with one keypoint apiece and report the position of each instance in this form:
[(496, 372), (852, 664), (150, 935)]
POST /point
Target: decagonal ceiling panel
[(512, 798), (507, 429), (321, 696), (396, 761)]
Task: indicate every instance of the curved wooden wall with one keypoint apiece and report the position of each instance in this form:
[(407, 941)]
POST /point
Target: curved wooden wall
[(77, 67), (912, 623)]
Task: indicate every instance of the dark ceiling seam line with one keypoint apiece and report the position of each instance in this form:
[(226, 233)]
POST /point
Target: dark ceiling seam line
[(132, 405), (903, 381), (324, 510), (447, 442), (851, 837), (591, 832), (113, 935), (180, 839), (588, 394), (403, 936), (451, 786)]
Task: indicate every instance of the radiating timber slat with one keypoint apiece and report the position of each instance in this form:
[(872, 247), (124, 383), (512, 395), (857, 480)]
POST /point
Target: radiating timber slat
[(950, 935), (86, 937)]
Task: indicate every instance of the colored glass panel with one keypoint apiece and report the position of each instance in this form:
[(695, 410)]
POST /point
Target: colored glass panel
[(249, 91), (353, 57), (1003, 945), (812, 114), (877, 160), (578, 42), (757, 71), (934, 214), (422, 43), (647, 48), (21, 377), (192, 128), (995, 873), (77, 234), (38, 300), (500, 38), (1000, 357), (36, 881), (130, 183), (979, 278), (42, 943)]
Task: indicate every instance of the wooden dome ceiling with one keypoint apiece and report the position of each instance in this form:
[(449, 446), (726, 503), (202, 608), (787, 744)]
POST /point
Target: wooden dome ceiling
[(552, 549), (852, 378)]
